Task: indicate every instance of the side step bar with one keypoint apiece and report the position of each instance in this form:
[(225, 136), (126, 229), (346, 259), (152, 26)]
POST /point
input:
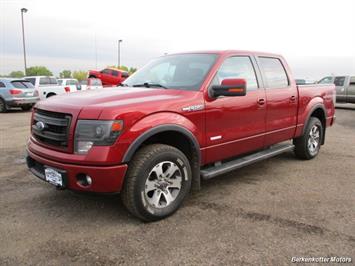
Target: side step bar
[(223, 168)]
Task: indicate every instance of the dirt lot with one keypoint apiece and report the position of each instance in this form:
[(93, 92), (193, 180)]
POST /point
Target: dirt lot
[(262, 214)]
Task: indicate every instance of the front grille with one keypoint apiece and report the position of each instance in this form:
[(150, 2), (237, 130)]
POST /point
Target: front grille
[(54, 129)]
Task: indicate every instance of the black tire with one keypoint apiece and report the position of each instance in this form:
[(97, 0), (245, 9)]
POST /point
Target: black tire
[(303, 149), (26, 107), (134, 194), (3, 106)]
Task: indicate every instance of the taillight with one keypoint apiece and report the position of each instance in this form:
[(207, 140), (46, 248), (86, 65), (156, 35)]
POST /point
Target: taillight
[(67, 89), (15, 91)]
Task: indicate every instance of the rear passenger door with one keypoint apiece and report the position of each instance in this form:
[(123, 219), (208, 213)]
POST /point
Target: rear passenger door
[(281, 99)]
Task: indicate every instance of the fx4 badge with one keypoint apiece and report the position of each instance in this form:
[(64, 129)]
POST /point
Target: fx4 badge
[(193, 108)]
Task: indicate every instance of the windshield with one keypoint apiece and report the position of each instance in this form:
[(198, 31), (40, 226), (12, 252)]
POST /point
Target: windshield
[(184, 71)]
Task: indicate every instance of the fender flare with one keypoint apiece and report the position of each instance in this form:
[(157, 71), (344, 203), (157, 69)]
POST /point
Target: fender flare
[(159, 129), (317, 106)]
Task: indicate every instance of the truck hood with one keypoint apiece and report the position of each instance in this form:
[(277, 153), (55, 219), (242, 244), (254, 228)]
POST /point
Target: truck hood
[(91, 104)]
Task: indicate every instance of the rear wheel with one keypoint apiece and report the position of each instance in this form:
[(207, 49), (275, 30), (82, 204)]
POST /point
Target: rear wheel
[(307, 146), (3, 107), (157, 181)]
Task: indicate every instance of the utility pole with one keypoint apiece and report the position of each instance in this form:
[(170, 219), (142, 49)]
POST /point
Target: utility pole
[(119, 54), (24, 10)]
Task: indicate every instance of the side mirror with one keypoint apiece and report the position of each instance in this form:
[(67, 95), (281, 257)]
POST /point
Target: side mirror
[(230, 87)]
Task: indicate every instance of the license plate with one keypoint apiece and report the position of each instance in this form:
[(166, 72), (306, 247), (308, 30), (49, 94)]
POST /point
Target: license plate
[(29, 93), (53, 177)]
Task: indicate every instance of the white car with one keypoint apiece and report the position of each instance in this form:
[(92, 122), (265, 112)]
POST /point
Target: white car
[(72, 84), (46, 86), (90, 84)]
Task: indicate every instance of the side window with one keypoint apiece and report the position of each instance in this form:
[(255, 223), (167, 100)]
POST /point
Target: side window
[(326, 80), (339, 81), (274, 72), (115, 73), (44, 81), (106, 71), (238, 67), (2, 85)]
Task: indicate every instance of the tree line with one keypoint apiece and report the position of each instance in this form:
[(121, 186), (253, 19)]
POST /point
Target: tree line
[(43, 71)]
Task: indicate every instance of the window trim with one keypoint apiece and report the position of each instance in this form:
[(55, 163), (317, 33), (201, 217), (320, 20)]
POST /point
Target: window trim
[(265, 81), (258, 81)]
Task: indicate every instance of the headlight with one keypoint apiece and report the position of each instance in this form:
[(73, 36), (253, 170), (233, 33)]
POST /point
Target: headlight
[(90, 133)]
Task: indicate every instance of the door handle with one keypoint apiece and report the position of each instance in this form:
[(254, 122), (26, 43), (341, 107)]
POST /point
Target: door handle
[(261, 101), (292, 98)]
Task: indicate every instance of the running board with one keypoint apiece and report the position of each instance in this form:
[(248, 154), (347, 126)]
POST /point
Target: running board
[(223, 168)]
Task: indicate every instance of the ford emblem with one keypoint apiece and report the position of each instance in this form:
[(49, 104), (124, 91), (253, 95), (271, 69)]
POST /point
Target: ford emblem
[(40, 125)]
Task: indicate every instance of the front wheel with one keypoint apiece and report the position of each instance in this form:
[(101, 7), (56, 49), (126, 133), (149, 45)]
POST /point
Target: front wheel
[(157, 181), (307, 146)]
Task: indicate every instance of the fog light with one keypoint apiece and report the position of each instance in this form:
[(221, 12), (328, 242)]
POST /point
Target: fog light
[(84, 180)]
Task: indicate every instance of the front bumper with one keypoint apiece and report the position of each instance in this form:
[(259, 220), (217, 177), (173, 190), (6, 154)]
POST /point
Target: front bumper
[(14, 102), (105, 179)]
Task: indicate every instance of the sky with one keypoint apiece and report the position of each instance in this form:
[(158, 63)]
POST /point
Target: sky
[(316, 37)]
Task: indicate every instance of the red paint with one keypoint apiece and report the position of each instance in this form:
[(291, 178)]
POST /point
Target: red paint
[(260, 118)]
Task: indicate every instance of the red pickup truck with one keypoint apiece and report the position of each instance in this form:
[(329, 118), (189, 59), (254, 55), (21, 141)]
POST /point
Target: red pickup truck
[(180, 119), (109, 76)]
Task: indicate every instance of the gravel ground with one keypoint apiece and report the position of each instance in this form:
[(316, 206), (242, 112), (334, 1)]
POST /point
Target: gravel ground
[(262, 214)]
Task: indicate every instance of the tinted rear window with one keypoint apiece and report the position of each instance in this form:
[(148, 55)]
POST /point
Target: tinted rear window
[(274, 72), (22, 84)]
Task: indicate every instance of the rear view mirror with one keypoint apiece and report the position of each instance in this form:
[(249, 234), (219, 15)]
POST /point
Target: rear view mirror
[(230, 87)]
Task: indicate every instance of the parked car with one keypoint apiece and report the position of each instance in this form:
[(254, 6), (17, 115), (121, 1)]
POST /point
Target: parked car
[(46, 86), (16, 93), (72, 84), (109, 76), (181, 118), (344, 85), (90, 84)]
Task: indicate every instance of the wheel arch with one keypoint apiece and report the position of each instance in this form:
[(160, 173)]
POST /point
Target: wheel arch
[(176, 136), (51, 94)]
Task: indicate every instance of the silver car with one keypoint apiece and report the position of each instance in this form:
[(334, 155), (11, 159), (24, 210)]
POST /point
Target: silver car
[(17, 93)]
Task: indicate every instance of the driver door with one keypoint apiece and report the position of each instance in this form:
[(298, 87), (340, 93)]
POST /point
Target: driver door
[(235, 125)]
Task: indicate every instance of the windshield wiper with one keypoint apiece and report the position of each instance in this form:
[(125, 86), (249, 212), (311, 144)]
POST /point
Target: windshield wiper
[(149, 85)]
